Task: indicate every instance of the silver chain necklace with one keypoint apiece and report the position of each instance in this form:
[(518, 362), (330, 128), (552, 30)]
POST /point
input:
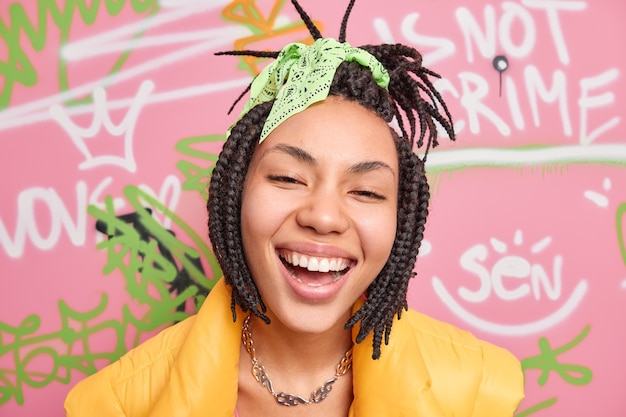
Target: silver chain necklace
[(282, 398)]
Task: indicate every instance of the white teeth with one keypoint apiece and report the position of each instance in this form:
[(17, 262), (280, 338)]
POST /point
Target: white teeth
[(324, 265), (315, 264), (333, 265)]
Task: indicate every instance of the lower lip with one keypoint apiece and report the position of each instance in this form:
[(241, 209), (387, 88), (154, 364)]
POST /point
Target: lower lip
[(317, 294)]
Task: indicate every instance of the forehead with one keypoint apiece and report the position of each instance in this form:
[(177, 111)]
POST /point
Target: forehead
[(336, 130)]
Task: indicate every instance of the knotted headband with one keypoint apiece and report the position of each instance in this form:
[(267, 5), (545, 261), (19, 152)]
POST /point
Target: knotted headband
[(302, 74)]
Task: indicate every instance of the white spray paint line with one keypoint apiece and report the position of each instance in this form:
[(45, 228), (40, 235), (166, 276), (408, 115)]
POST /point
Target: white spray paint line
[(15, 117), (79, 49), (11, 117), (492, 157), (538, 326), (172, 95)]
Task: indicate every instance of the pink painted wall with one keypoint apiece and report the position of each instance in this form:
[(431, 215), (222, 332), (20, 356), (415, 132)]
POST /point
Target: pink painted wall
[(106, 110)]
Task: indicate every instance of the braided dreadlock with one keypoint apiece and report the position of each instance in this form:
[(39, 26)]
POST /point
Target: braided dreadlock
[(404, 101)]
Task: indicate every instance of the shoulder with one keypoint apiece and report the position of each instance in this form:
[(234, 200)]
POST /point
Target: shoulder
[(461, 364), (431, 330), (140, 374)]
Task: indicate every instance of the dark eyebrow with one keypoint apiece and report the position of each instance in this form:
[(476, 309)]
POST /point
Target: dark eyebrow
[(302, 155), (298, 153), (369, 166)]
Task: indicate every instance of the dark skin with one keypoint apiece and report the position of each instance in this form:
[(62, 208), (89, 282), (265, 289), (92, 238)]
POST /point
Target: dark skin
[(413, 102), (337, 203), (254, 400)]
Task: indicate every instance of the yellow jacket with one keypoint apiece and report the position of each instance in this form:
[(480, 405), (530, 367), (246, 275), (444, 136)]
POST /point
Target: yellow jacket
[(429, 369)]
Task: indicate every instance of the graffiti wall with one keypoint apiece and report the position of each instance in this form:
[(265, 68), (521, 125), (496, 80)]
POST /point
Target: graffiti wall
[(112, 114)]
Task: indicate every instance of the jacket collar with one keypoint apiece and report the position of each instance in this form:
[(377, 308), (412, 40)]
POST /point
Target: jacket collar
[(396, 384), (203, 379), (205, 375)]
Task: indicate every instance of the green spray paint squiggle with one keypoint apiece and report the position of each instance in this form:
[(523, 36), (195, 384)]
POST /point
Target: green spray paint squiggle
[(27, 347), (547, 362), (197, 177), (151, 259), (619, 223), (18, 67)]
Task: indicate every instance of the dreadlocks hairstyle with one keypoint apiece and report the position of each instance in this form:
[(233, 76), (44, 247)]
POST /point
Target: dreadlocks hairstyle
[(411, 99)]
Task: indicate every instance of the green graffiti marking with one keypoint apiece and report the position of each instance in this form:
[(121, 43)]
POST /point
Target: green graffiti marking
[(18, 28), (547, 362), (161, 272), (532, 410), (75, 353), (619, 223), (151, 258), (197, 177)]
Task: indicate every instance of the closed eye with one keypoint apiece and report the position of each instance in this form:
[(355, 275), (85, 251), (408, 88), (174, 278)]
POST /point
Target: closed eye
[(369, 194), (283, 179)]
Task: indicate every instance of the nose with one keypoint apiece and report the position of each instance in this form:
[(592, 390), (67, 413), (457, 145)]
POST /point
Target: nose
[(323, 212)]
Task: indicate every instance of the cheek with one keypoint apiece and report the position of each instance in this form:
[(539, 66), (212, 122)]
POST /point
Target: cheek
[(252, 222), (261, 216), (254, 236), (378, 232)]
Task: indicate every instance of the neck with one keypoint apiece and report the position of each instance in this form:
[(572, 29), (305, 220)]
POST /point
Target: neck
[(306, 353), (298, 364)]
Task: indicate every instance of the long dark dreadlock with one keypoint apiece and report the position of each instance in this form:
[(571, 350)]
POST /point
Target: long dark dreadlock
[(409, 81)]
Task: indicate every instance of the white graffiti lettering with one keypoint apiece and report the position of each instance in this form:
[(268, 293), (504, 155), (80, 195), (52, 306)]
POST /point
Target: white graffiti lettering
[(44, 232), (509, 278), (558, 92), (514, 267), (438, 48), (30, 221), (101, 118), (601, 200), (475, 90), (552, 8), (587, 102), (514, 29), (169, 195), (567, 308), (192, 44), (486, 40)]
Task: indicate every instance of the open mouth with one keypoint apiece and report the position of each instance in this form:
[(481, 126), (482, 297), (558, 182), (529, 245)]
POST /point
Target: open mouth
[(314, 271)]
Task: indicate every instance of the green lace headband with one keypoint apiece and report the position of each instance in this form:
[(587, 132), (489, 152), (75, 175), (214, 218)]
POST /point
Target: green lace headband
[(301, 75)]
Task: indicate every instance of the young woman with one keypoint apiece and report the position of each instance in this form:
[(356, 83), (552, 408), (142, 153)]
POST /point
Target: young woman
[(316, 213)]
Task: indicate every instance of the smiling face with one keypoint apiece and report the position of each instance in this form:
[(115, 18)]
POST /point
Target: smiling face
[(318, 217)]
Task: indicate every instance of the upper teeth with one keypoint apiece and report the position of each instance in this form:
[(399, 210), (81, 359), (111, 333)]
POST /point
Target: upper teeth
[(313, 263)]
